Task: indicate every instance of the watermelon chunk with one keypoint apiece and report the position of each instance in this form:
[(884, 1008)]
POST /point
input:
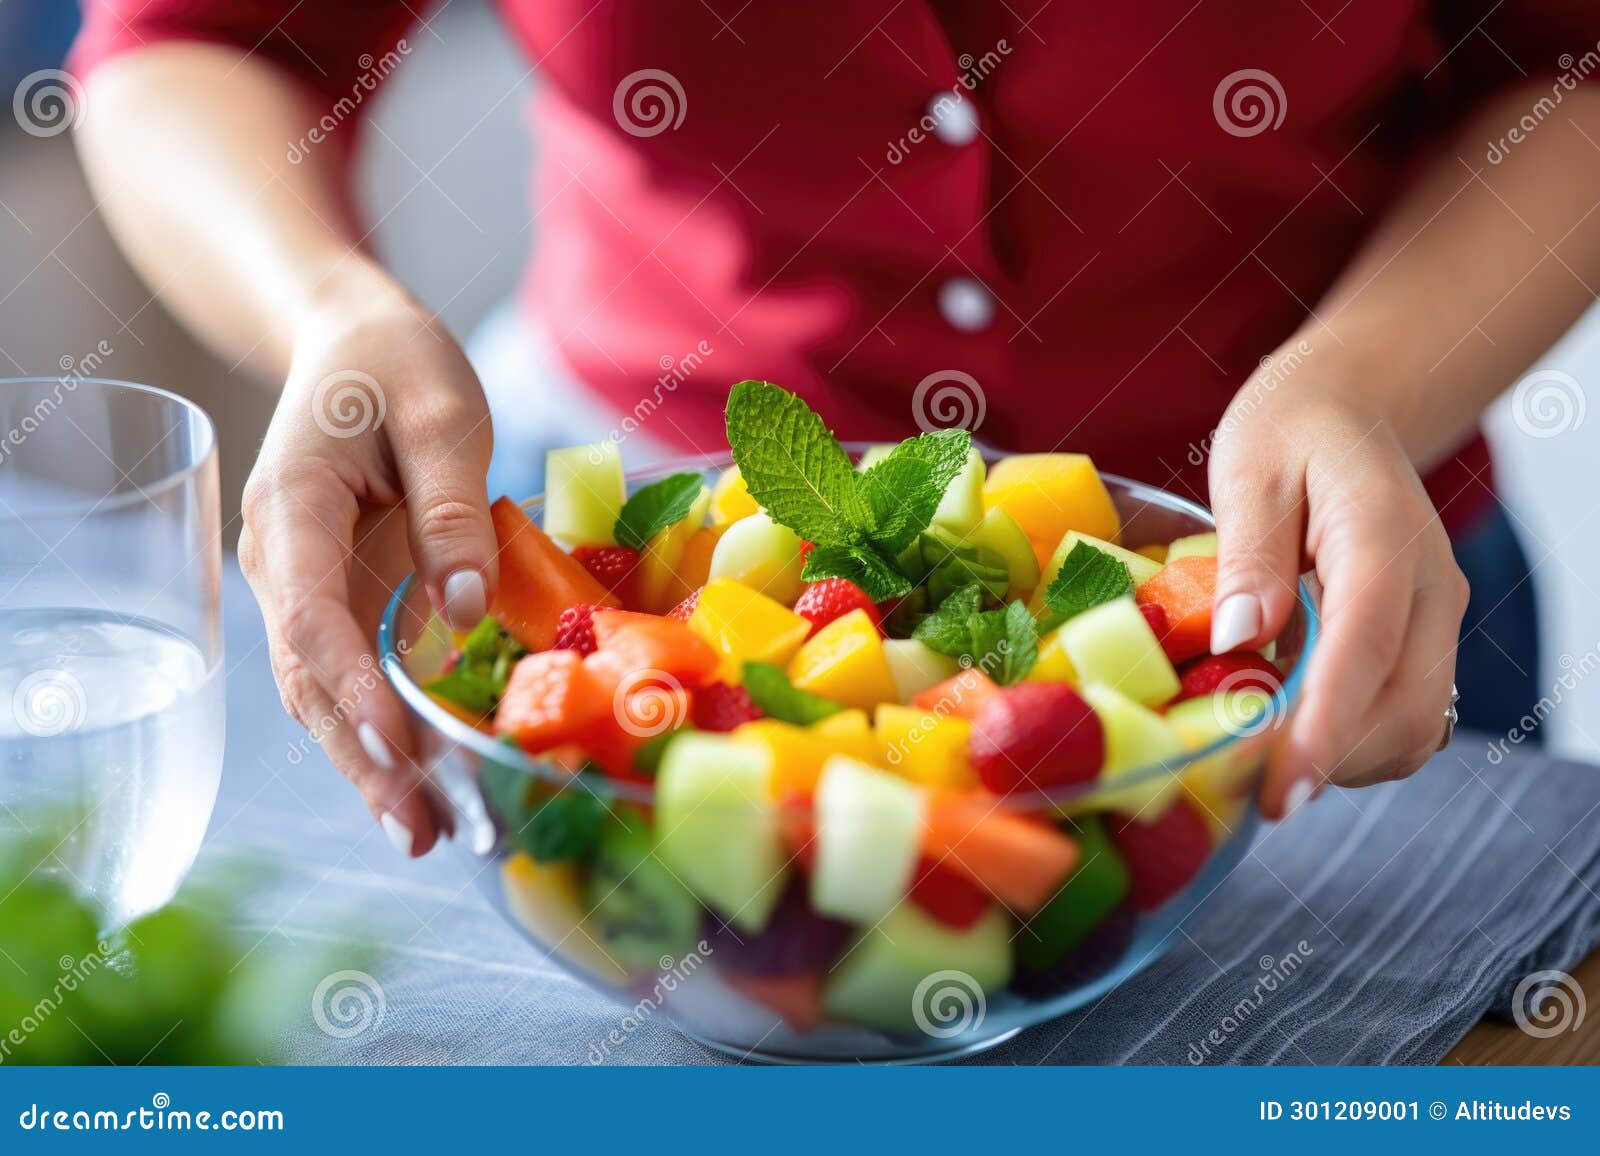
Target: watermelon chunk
[(538, 579)]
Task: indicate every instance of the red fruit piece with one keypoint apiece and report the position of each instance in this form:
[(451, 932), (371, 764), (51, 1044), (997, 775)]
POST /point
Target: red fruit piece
[(551, 699), (1162, 856), (962, 695), (952, 899), (720, 707), (1036, 735), (652, 642), (538, 579), (613, 567), (1184, 589), (797, 826), (822, 602), (682, 610), (796, 998), (1241, 670), (575, 629)]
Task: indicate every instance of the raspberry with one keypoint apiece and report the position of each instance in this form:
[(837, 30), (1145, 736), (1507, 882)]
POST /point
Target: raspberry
[(1164, 855), (612, 566), (822, 602), (575, 629), (1035, 735), (1241, 670), (721, 707), (685, 608)]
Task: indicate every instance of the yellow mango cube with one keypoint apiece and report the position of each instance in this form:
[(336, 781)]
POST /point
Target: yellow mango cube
[(1049, 494), (744, 625), (661, 586), (798, 752), (1053, 665), (730, 498), (844, 662), (924, 747)]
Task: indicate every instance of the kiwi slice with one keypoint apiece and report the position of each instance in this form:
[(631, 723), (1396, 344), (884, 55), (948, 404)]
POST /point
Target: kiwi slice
[(638, 911)]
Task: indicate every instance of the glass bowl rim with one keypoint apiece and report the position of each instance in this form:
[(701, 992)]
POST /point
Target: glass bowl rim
[(487, 747), (141, 495)]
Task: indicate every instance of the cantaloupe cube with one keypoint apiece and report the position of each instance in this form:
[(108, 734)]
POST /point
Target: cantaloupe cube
[(1053, 665), (661, 586), (1049, 494), (844, 662), (730, 498), (798, 752)]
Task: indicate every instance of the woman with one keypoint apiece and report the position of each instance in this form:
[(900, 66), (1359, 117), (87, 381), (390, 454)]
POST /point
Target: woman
[(1273, 259)]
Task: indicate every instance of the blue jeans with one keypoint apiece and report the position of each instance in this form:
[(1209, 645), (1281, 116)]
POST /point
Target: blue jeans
[(1497, 664)]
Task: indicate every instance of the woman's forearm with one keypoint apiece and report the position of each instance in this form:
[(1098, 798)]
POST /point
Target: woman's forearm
[(187, 150), (1477, 270)]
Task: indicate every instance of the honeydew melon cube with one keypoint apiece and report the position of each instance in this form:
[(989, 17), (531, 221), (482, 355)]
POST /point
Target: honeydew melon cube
[(1140, 568), (763, 555), (874, 454), (1219, 784), (1137, 738), (915, 666), (999, 532), (583, 493), (869, 836), (961, 509), (1204, 545), (1112, 644), (717, 825), (924, 746), (909, 972)]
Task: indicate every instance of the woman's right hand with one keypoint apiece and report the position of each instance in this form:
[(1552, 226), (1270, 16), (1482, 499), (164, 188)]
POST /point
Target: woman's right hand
[(373, 465)]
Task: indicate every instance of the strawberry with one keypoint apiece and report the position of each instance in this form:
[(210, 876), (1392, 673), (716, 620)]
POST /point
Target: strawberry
[(1241, 670), (1162, 629), (611, 566), (797, 827), (721, 707), (685, 608), (952, 899), (1162, 856), (575, 629), (1037, 735), (821, 602)]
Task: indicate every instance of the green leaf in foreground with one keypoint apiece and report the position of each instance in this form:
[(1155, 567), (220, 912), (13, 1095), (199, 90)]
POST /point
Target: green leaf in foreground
[(1005, 643), (552, 826), (655, 507), (862, 565), (1087, 578), (770, 689), (948, 629), (479, 676)]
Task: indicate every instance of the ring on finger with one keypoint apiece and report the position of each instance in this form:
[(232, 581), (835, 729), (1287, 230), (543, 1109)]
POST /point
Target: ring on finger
[(1451, 717)]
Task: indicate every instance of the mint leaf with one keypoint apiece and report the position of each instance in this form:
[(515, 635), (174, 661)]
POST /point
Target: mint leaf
[(860, 564), (1087, 578), (949, 563), (557, 827), (655, 507), (482, 669), (948, 629), (793, 466), (770, 689), (904, 489), (1005, 643)]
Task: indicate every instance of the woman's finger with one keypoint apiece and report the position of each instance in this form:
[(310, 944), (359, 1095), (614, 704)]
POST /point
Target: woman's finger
[(1368, 569), (300, 525), (442, 456), (1260, 524)]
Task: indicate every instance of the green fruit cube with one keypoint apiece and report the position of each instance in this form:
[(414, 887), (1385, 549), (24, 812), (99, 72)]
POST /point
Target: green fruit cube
[(1112, 644), (583, 494)]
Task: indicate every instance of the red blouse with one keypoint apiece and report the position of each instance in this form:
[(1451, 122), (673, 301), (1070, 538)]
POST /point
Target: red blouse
[(1093, 220)]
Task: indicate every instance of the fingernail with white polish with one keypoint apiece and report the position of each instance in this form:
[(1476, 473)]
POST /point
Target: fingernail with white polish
[(1237, 621), (483, 839), (1298, 794), (399, 834), (376, 746), (465, 599)]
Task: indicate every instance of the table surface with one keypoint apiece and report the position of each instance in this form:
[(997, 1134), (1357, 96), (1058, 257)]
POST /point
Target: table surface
[(1496, 1042)]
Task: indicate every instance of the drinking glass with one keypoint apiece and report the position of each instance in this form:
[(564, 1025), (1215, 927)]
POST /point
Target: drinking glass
[(111, 687)]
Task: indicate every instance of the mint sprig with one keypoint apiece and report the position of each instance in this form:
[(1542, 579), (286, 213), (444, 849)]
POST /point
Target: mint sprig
[(1003, 643), (857, 522), (655, 507), (1087, 578), (770, 689)]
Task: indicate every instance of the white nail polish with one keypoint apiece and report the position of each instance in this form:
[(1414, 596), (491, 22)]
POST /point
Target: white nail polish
[(399, 834), (483, 838), (376, 747), (1237, 621), (1296, 797), (465, 599)]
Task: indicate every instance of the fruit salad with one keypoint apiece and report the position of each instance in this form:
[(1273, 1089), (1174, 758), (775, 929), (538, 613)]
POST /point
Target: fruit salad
[(842, 722)]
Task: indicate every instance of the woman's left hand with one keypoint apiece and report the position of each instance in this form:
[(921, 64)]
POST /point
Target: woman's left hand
[(1300, 467)]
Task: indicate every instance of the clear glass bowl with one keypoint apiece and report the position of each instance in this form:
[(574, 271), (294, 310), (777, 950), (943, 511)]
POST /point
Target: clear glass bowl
[(709, 983)]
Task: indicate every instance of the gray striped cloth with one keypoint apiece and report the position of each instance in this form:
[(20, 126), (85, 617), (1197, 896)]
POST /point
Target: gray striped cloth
[(1376, 926)]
